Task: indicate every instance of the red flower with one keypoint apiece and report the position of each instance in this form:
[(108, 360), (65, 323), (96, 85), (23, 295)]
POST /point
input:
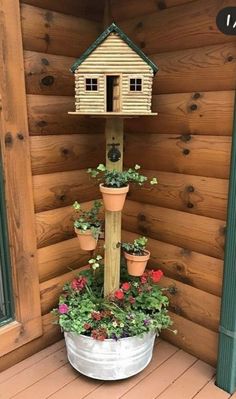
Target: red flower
[(132, 299), (100, 334), (87, 326), (119, 294), (96, 316), (79, 283), (156, 275), (125, 286)]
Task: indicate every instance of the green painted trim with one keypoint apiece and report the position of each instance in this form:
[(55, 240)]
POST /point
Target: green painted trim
[(226, 367), (5, 256), (113, 28)]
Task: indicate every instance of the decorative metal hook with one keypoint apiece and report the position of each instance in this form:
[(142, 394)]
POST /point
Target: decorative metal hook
[(114, 154)]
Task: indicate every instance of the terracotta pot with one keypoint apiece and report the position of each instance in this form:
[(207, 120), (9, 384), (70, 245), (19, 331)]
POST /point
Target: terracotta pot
[(113, 198), (86, 240), (136, 264)]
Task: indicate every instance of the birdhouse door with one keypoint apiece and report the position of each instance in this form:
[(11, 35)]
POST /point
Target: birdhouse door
[(113, 93)]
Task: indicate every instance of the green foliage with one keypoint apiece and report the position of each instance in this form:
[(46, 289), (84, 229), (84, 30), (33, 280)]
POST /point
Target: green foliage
[(116, 179), (88, 220), (138, 247), (137, 307)]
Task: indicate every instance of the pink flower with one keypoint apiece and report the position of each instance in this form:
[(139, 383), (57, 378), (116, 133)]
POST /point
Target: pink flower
[(119, 294), (125, 286), (63, 308)]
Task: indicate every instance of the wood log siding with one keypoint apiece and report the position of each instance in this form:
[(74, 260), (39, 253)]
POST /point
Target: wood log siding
[(199, 233), (204, 196), (162, 32), (122, 9), (193, 338), (42, 31), (210, 68), (187, 146), (207, 156), (190, 139), (189, 267), (60, 258), (192, 194), (207, 113), (49, 115), (193, 232), (63, 188), (81, 8), (56, 225), (54, 153)]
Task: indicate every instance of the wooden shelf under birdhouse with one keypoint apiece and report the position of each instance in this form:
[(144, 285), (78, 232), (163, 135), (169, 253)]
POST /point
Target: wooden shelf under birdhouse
[(114, 114)]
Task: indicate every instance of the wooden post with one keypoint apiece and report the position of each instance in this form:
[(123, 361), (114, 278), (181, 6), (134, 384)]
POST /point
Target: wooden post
[(114, 134)]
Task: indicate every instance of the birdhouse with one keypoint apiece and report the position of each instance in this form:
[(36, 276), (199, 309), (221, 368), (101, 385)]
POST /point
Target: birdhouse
[(113, 77)]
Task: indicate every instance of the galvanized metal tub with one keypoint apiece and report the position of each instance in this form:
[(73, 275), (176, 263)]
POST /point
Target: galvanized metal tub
[(109, 359)]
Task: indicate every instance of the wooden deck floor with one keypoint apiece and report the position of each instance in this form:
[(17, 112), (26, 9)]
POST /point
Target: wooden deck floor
[(172, 374)]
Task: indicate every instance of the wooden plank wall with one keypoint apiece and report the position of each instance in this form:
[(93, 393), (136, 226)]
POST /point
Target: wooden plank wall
[(188, 147), (62, 146)]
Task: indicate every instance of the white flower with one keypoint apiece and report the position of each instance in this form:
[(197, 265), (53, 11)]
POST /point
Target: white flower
[(137, 167), (154, 181), (101, 167), (114, 324)]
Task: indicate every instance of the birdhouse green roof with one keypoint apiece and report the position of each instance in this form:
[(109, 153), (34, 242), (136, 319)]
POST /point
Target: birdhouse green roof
[(113, 28)]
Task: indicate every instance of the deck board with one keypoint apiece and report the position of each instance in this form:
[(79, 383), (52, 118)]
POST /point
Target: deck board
[(157, 381), (30, 361), (172, 374), (189, 383), (210, 390)]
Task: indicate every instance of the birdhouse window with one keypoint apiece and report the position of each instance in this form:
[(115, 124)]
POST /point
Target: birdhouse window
[(135, 84), (91, 84)]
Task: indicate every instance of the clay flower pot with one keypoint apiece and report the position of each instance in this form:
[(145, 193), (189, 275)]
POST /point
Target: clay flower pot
[(113, 198), (136, 264), (86, 240)]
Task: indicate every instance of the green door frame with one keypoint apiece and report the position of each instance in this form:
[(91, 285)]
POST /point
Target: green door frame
[(5, 256), (226, 365)]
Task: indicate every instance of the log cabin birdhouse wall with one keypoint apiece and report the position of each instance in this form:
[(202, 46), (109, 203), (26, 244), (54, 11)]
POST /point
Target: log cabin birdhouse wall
[(113, 77)]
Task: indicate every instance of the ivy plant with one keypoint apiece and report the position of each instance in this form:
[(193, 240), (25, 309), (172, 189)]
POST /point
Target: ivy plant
[(137, 247), (88, 219), (117, 179)]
